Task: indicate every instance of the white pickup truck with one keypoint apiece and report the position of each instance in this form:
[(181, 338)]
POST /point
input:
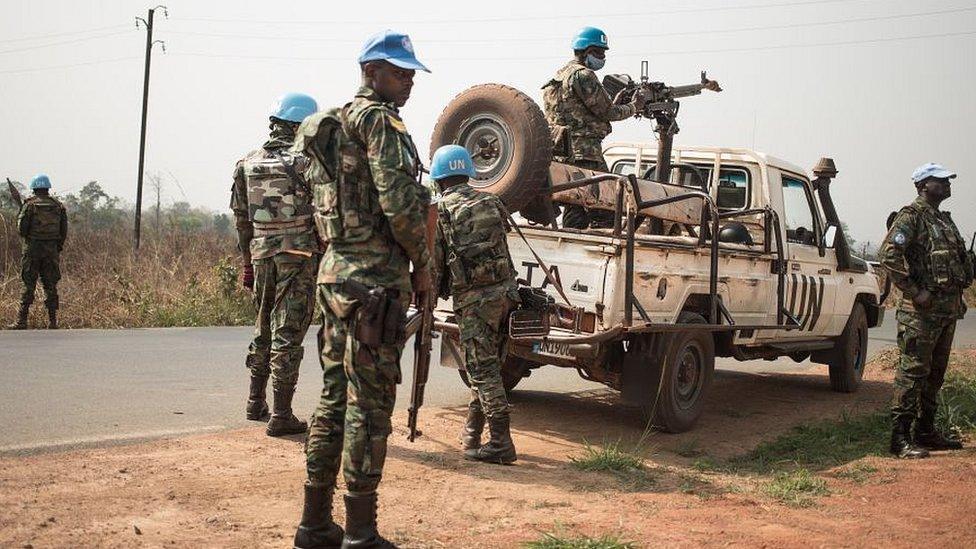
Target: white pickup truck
[(652, 303)]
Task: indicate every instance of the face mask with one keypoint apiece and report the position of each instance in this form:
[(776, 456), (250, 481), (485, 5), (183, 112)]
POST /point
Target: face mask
[(593, 62)]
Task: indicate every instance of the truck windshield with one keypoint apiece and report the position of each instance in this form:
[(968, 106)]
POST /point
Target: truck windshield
[(733, 183)]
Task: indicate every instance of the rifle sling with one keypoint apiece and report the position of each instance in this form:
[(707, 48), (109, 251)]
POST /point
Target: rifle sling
[(545, 268), (292, 174)]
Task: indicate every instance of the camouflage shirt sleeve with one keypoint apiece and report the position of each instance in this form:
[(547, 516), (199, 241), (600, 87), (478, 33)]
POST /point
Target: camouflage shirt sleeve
[(63, 228), (403, 200), (893, 254), (24, 220), (588, 87), (238, 203)]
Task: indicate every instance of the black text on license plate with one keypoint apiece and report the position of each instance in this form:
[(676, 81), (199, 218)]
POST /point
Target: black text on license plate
[(551, 348)]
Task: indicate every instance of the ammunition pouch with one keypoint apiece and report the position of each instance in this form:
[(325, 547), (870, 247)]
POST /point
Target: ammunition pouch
[(380, 318), (298, 225), (531, 317)]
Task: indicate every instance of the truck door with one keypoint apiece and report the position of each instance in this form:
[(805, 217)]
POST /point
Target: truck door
[(811, 280)]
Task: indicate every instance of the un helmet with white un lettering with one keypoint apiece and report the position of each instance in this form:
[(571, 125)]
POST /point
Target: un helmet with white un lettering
[(451, 160)]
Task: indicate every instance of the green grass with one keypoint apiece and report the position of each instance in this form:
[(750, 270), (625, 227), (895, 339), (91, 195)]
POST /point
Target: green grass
[(796, 488), (610, 458), (689, 448), (626, 465), (858, 472), (550, 540)]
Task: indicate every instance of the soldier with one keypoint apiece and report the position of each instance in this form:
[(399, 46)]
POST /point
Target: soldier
[(926, 257), (43, 224), (273, 211), (579, 112), (371, 209), (474, 267)]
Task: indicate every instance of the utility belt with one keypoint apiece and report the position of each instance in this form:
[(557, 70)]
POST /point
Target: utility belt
[(297, 225), (380, 318)]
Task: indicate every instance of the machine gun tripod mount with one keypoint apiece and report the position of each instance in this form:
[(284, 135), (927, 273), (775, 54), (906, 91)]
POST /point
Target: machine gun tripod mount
[(661, 105)]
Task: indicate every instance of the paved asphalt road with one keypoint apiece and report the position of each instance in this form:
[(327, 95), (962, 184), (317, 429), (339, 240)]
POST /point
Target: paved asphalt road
[(75, 388)]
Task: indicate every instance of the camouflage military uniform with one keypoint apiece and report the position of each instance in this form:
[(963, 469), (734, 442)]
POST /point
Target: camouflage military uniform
[(475, 269), (372, 213), (579, 111), (274, 222), (43, 225), (924, 250)]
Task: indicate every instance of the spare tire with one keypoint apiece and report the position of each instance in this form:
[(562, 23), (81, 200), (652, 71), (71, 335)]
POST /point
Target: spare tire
[(507, 136)]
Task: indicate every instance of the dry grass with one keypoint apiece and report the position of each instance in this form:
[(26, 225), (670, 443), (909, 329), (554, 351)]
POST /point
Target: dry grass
[(179, 278)]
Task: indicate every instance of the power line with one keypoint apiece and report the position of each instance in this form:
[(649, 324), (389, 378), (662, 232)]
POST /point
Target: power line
[(69, 66), (624, 55), (72, 41), (521, 18), (60, 34), (615, 36)]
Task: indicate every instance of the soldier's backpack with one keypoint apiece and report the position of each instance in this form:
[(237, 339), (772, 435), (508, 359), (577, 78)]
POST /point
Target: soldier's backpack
[(45, 218), (279, 200)]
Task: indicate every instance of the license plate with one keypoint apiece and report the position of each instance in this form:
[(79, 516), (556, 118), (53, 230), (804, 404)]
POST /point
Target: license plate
[(551, 348)]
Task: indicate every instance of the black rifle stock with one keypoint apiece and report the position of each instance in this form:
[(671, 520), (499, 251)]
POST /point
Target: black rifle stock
[(423, 339)]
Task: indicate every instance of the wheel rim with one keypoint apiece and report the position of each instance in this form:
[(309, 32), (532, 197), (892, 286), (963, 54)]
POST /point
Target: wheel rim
[(491, 144), (689, 376), (859, 354)]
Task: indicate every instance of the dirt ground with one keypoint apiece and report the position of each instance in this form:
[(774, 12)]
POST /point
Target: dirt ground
[(243, 489)]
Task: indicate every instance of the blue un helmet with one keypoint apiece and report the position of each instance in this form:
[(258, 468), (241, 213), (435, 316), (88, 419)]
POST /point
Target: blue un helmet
[(393, 47), (40, 181), (294, 107), (451, 160), (590, 36)]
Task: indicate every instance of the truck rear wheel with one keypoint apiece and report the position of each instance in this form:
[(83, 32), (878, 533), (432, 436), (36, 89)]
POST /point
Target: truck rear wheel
[(685, 371), (508, 137), (850, 353)]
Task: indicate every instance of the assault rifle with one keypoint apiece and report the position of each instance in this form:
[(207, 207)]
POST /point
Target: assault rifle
[(423, 340), (15, 194), (661, 105)]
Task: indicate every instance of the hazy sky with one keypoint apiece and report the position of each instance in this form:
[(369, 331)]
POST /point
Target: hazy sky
[(880, 85)]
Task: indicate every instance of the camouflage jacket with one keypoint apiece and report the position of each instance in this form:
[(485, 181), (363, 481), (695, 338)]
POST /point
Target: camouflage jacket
[(43, 218), (282, 215), (579, 111), (372, 213), (471, 258), (924, 250)]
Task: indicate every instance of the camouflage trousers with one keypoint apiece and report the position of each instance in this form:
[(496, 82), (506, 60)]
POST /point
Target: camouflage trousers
[(41, 258), (284, 294), (351, 423), (924, 343), (578, 217), (481, 324)]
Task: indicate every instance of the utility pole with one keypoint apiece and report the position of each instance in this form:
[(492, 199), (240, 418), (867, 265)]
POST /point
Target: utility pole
[(148, 23)]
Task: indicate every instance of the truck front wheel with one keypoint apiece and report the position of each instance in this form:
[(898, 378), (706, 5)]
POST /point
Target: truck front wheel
[(850, 353), (685, 371)]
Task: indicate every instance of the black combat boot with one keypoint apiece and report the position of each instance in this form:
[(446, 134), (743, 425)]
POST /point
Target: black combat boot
[(257, 404), (927, 436), (283, 422), (500, 448), (902, 444), (473, 426), (317, 529), (361, 523), (21, 323), (52, 319)]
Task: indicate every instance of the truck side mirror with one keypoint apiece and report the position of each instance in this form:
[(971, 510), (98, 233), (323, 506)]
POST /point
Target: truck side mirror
[(830, 235)]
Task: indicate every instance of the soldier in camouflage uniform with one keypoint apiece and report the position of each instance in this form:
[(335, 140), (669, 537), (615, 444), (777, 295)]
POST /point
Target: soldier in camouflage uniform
[(579, 112), (926, 257), (43, 225), (371, 209), (474, 268), (273, 211)]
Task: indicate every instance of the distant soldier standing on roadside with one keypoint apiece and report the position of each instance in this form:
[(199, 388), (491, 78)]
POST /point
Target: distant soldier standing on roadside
[(579, 111), (474, 268), (43, 226), (273, 211), (926, 257), (372, 210)]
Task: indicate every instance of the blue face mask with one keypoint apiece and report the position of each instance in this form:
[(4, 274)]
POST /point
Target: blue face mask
[(593, 62)]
